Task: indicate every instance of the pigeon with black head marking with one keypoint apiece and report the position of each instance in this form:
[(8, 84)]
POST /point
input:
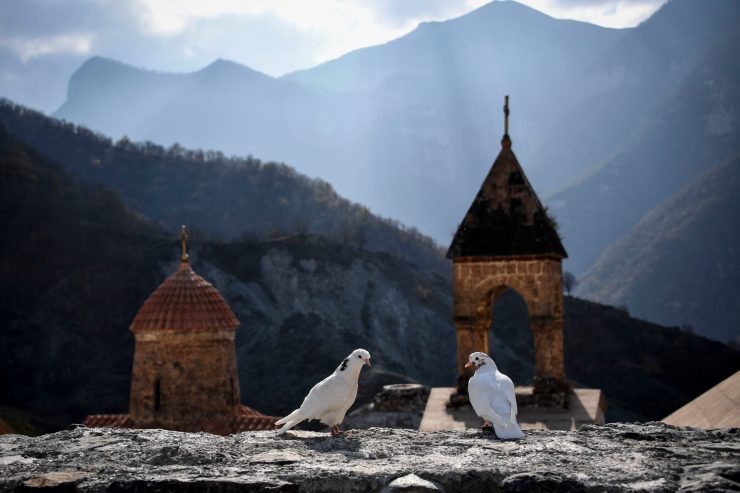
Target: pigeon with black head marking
[(329, 400), (492, 397)]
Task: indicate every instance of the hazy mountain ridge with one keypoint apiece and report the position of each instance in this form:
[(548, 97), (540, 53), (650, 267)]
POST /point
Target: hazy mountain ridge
[(679, 266), (226, 197), (428, 48), (686, 132), (99, 77), (422, 126), (148, 105), (409, 127)]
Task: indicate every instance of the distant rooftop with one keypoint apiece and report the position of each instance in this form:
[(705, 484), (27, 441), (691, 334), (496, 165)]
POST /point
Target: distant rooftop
[(5, 428), (718, 407), (246, 419), (185, 302)]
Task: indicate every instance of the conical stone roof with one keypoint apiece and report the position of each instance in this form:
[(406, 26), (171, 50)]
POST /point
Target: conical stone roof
[(506, 218), (185, 302)]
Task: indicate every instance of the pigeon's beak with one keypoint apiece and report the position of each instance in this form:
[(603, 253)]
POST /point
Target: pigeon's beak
[(368, 363), (469, 363)]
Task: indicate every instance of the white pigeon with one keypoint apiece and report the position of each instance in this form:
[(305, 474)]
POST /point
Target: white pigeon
[(329, 400), (492, 397)]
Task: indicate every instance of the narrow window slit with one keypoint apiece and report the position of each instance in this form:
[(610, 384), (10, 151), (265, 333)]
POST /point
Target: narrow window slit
[(157, 395)]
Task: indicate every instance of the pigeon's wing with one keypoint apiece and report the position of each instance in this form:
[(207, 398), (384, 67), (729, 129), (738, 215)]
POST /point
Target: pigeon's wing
[(507, 395), (325, 396), (504, 401), (503, 395), (482, 390)]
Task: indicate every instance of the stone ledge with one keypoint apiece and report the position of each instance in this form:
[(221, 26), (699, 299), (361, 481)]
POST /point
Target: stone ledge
[(616, 457)]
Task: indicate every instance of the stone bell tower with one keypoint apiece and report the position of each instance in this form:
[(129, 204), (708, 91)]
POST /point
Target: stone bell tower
[(507, 240)]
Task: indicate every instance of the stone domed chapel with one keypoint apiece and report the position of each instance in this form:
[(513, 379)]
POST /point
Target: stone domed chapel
[(185, 371)]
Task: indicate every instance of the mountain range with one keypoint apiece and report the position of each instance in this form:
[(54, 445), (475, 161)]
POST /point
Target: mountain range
[(410, 127), (607, 123), (691, 125), (222, 197), (671, 260), (77, 262), (411, 142)]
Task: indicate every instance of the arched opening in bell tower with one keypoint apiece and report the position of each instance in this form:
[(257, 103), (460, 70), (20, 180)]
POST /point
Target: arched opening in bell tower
[(510, 338)]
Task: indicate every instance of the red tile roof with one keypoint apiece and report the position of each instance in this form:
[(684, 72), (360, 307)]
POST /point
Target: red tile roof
[(185, 301), (254, 423), (248, 411), (108, 421), (250, 420), (5, 428)]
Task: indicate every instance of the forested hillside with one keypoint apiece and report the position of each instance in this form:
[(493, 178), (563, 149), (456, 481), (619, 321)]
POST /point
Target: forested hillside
[(223, 197), (77, 264), (680, 265)]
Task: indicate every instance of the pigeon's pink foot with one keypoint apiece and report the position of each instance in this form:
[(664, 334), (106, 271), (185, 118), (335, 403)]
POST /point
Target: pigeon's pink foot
[(335, 431), (487, 426)]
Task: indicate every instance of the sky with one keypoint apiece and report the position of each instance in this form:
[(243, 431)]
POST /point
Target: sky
[(42, 42)]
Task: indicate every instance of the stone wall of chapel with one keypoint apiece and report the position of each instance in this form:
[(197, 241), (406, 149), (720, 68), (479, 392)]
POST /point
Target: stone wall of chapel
[(196, 375)]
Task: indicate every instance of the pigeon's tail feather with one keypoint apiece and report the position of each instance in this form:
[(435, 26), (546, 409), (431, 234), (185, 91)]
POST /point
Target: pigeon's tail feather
[(289, 417), (290, 421), (288, 425), (511, 432)]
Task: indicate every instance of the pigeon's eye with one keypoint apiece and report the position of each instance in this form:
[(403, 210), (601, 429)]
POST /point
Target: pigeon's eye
[(360, 357)]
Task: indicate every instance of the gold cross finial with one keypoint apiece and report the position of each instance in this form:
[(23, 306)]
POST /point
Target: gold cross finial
[(506, 115), (184, 238)]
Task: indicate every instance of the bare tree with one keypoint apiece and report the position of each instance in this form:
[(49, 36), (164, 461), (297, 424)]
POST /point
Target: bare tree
[(301, 225), (345, 231), (362, 224), (569, 282)]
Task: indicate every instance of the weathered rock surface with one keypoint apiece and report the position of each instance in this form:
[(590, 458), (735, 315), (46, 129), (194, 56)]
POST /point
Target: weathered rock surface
[(617, 457)]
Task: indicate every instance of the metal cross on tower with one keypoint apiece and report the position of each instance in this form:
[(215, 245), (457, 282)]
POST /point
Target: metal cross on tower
[(506, 115), (184, 239)]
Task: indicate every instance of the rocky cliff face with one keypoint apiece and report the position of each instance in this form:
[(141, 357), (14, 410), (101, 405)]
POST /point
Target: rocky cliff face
[(304, 305), (619, 457)]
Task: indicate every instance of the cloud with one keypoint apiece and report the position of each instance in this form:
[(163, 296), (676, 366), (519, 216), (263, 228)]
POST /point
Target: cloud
[(264, 42), (34, 28), (312, 31), (30, 48), (38, 18)]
